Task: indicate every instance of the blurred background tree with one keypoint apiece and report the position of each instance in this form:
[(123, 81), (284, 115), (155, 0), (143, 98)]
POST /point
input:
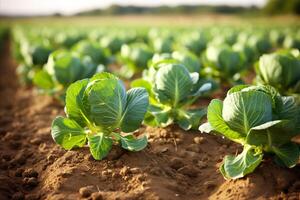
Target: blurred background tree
[(275, 7)]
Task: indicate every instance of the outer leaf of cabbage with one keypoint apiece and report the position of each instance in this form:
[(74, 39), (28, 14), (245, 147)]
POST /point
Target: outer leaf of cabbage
[(158, 116), (100, 145), (279, 70), (244, 110), (75, 109), (173, 84), (68, 133), (271, 133), (190, 119), (214, 116), (43, 80), (235, 167), (131, 143), (288, 154), (107, 100), (136, 106)]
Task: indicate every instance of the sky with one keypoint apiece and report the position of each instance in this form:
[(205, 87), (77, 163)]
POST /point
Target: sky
[(68, 7)]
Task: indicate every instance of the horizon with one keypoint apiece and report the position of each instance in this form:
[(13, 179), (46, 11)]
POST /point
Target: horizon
[(71, 7)]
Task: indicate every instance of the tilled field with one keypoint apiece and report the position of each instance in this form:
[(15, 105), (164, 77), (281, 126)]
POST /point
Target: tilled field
[(175, 165)]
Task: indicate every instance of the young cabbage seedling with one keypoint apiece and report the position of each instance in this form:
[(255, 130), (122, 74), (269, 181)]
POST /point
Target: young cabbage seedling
[(134, 58), (100, 111), (187, 58), (32, 57), (162, 44), (282, 71), (172, 90), (195, 41), (223, 63), (262, 121), (62, 69), (92, 49)]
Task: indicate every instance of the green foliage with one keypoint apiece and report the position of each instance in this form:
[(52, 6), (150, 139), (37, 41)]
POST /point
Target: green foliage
[(100, 111), (260, 43), (224, 63), (172, 89), (280, 70), (62, 69), (67, 39), (195, 42), (112, 43), (134, 58), (261, 120), (86, 48), (187, 58), (282, 7), (162, 45)]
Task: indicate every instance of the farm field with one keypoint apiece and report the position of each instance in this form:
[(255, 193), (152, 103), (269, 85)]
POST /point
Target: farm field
[(128, 108)]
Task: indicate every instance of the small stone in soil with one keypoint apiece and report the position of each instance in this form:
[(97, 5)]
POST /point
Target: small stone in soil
[(30, 182), (66, 174), (140, 177), (178, 140), (50, 157), (97, 196), (199, 140), (86, 191), (35, 141), (164, 133), (30, 173), (194, 148), (124, 171), (163, 150), (134, 170)]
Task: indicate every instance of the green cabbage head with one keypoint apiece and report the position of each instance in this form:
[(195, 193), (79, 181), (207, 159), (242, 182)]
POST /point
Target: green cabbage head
[(280, 70), (262, 121)]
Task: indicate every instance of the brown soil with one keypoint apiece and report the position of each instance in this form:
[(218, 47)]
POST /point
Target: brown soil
[(175, 165)]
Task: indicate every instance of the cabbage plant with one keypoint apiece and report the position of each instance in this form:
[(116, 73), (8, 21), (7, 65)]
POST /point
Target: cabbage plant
[(259, 119), (31, 56), (187, 58), (62, 69), (68, 38), (245, 49), (134, 58), (281, 70), (162, 45), (35, 54), (224, 63), (92, 49), (260, 42), (195, 41), (100, 112), (111, 42), (292, 41), (172, 90)]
